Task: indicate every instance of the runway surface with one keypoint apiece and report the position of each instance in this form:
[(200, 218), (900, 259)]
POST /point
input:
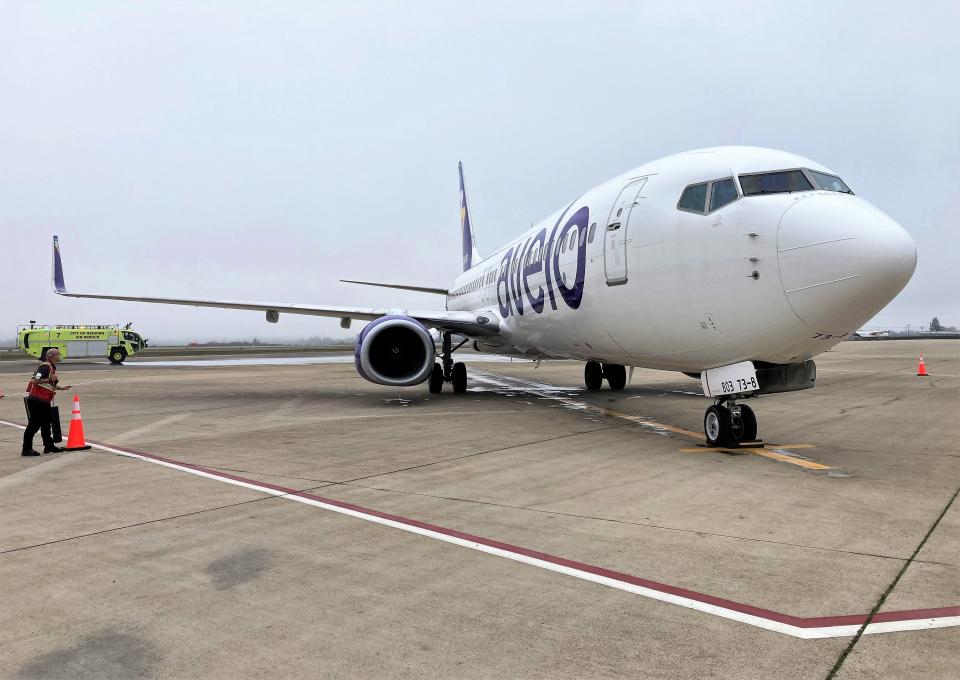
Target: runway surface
[(247, 518)]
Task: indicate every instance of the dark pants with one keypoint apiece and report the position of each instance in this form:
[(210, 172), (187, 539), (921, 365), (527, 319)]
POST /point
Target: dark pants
[(38, 418)]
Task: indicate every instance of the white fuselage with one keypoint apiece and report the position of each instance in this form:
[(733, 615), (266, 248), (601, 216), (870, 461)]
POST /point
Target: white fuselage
[(776, 278)]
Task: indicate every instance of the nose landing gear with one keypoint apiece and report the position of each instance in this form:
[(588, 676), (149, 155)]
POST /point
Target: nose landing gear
[(727, 423)]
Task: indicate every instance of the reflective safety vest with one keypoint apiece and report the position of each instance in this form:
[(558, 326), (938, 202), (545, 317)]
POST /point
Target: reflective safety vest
[(45, 391)]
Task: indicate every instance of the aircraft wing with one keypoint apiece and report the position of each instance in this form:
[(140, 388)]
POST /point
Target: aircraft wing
[(466, 323)]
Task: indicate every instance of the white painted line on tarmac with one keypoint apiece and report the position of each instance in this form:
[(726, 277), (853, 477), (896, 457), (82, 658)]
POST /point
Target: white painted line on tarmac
[(799, 627)]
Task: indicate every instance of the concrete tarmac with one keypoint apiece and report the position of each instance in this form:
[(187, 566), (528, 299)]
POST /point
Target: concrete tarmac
[(118, 567)]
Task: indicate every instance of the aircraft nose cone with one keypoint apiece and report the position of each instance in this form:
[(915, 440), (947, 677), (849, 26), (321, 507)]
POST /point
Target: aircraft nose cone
[(841, 261)]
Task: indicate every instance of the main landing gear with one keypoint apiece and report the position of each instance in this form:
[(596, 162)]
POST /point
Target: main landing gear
[(448, 371), (594, 373), (727, 423)]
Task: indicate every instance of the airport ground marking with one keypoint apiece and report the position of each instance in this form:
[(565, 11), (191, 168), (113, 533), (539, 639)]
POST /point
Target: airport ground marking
[(776, 452), (796, 626), (741, 449), (547, 391), (773, 452), (656, 425), (786, 458)]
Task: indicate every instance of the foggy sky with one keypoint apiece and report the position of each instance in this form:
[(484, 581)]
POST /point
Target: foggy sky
[(262, 151)]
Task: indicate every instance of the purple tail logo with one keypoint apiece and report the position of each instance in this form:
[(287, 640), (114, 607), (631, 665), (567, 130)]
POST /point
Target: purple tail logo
[(466, 232), (58, 284)]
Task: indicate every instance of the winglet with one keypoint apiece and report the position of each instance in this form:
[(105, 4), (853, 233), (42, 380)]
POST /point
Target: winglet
[(470, 254), (58, 286)]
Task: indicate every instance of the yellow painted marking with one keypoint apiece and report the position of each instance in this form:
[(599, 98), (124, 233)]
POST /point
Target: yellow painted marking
[(723, 449), (766, 453), (757, 451), (783, 458), (741, 448), (654, 424)]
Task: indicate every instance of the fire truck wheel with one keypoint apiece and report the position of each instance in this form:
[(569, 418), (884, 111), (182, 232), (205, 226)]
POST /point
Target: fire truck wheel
[(117, 355)]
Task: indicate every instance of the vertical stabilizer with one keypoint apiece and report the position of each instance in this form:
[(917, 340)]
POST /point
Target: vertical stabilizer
[(470, 254), (57, 274)]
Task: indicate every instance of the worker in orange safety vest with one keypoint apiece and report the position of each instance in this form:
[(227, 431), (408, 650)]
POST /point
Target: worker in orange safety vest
[(41, 390)]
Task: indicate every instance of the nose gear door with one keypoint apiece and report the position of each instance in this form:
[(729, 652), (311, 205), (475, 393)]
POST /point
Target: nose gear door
[(615, 236)]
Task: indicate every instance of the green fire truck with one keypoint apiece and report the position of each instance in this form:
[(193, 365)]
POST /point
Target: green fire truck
[(76, 341)]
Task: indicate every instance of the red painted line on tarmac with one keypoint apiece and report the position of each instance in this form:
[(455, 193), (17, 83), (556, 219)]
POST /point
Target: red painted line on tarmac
[(770, 615)]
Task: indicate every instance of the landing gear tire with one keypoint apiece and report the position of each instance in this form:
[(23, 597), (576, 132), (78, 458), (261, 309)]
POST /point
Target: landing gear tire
[(616, 376), (717, 426), (117, 355), (459, 377), (744, 428), (593, 376), (435, 384)]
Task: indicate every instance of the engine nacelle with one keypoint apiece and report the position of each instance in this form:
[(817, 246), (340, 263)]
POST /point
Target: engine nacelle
[(395, 350)]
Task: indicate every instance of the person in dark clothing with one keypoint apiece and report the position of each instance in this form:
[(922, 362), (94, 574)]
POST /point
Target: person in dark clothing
[(43, 386)]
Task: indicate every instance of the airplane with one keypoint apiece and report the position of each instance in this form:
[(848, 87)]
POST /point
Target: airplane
[(866, 334), (735, 265)]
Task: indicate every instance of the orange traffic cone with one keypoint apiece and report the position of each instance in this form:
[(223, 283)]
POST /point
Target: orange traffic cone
[(75, 439), (922, 368)]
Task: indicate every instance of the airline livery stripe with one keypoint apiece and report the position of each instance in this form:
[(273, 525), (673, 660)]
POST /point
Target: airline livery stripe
[(807, 628)]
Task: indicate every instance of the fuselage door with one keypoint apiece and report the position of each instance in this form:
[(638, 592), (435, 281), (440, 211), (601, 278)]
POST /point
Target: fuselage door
[(615, 237)]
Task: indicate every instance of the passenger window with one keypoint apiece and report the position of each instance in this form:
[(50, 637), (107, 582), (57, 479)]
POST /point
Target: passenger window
[(723, 191), (573, 241), (593, 228), (694, 198)]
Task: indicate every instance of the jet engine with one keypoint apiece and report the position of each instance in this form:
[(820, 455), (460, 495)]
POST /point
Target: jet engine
[(395, 350)]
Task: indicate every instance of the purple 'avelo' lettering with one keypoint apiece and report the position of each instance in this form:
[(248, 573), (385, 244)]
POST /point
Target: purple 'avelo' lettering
[(503, 278), (548, 256), (573, 296), (535, 266), (513, 278), (517, 291)]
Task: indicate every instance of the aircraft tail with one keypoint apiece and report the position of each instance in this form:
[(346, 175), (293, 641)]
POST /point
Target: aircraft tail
[(57, 275), (470, 254)]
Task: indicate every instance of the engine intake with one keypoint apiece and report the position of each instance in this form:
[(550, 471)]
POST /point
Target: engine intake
[(395, 350)]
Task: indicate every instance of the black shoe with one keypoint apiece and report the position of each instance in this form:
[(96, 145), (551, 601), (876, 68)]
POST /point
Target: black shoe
[(53, 449), (31, 452)]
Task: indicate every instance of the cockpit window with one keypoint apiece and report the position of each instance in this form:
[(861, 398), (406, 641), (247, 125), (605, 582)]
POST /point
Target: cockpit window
[(780, 182), (694, 198), (722, 191), (829, 182)]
